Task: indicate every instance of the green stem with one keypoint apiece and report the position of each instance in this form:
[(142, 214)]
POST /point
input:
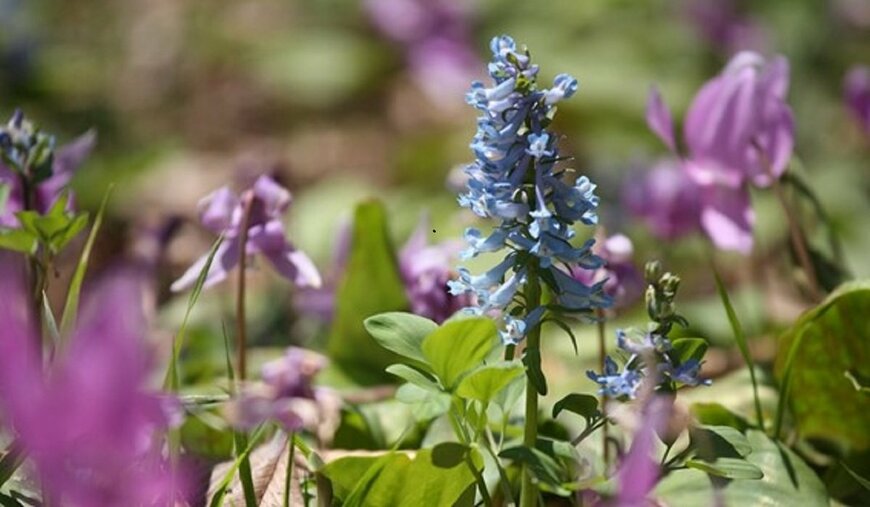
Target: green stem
[(288, 477), (529, 491), (481, 484), (602, 356), (488, 444), (798, 242), (241, 352)]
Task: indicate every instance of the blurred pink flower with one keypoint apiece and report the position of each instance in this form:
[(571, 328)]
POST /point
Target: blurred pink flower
[(857, 94), (738, 131), (624, 282), (638, 471), (722, 24), (86, 423), (666, 200), (222, 212)]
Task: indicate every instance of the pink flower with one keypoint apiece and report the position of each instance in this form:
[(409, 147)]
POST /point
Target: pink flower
[(222, 212), (87, 422), (857, 94), (623, 281)]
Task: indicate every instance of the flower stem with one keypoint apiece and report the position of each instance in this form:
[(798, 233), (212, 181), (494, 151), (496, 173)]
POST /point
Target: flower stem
[(242, 336), (529, 491), (798, 242), (602, 355), (288, 477)]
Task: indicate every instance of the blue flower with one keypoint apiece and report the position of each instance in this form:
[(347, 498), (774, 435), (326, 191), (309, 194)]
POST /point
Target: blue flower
[(686, 373), (515, 182), (615, 384)]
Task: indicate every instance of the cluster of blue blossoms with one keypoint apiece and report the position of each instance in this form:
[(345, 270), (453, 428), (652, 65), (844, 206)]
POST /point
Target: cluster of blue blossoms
[(515, 182), (642, 350)]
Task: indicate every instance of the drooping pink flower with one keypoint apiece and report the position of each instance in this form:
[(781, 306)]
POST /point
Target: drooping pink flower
[(856, 89), (67, 159), (223, 212), (739, 131), (86, 423), (665, 199)]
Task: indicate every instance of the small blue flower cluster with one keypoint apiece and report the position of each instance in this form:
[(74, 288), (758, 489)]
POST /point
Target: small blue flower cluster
[(514, 181), (644, 349), (22, 144)]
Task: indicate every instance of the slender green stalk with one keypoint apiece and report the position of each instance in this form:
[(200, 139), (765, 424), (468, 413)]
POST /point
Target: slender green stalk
[(489, 444), (740, 338), (529, 491), (798, 242), (786, 383), (288, 477), (481, 483), (241, 352), (602, 355)]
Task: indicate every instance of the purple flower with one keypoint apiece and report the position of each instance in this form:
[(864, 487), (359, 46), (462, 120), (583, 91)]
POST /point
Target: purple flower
[(425, 271), (87, 424), (223, 212), (857, 94), (622, 281), (286, 395), (435, 36), (666, 200), (738, 131), (723, 26), (638, 472), (67, 159)]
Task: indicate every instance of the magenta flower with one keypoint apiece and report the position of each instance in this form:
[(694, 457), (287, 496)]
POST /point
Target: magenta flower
[(738, 131), (665, 199), (223, 212), (435, 37), (87, 424), (67, 159), (724, 26), (622, 281), (638, 471), (857, 94)]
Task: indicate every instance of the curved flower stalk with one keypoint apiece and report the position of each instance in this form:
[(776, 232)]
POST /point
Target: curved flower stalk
[(86, 424), (739, 131), (515, 182), (34, 171), (857, 94), (258, 211)]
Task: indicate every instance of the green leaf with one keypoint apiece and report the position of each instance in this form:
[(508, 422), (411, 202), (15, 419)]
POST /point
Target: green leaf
[(713, 442), (740, 338), (484, 383), (860, 480), (458, 347), (220, 492), (544, 467), (371, 285), (532, 360), (61, 239), (5, 190), (449, 454), (715, 414), (685, 349), (397, 480), (426, 404), (584, 405), (401, 332), (414, 376), (18, 240), (729, 468), (787, 481), (825, 342), (71, 308)]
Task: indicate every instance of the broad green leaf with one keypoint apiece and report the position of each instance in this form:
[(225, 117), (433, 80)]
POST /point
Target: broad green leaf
[(73, 294), (371, 285), (714, 414), (401, 332), (414, 376), (18, 240), (205, 440), (484, 383), (399, 480), (712, 442), (684, 349), (457, 347), (449, 454), (542, 465), (787, 481), (426, 404), (584, 405), (816, 351), (729, 468)]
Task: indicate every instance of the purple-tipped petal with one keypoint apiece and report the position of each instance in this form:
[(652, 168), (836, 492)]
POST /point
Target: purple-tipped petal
[(774, 145), (220, 210), (658, 118), (225, 259), (295, 266), (274, 198), (727, 218)]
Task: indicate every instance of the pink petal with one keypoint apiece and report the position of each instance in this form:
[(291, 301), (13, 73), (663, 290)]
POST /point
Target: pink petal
[(658, 118), (728, 218), (225, 259), (220, 210)]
